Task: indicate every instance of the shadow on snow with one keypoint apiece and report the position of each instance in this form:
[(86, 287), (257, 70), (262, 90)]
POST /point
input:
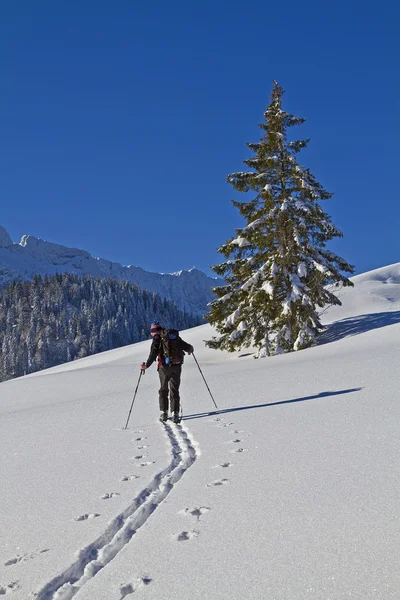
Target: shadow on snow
[(356, 325), (223, 411)]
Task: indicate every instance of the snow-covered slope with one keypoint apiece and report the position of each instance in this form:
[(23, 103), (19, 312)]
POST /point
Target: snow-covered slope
[(374, 291), (290, 491), (191, 290), (372, 303)]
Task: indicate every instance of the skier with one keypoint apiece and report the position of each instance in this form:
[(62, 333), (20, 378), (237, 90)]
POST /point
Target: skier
[(169, 348)]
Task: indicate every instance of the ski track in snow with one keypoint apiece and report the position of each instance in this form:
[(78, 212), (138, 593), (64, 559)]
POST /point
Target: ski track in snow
[(122, 528)]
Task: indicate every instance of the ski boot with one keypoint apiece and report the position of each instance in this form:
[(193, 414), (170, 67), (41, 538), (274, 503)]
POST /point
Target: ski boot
[(176, 418), (163, 417)]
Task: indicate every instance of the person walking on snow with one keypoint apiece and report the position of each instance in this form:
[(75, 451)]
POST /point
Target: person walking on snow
[(169, 348)]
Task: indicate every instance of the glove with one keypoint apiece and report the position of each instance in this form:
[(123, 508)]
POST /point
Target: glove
[(143, 366), (191, 350)]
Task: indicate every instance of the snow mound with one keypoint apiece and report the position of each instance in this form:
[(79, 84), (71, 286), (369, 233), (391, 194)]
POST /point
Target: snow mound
[(373, 292), (389, 274)]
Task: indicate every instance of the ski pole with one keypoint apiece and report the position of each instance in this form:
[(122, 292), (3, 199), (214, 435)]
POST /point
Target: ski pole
[(134, 396), (205, 380)]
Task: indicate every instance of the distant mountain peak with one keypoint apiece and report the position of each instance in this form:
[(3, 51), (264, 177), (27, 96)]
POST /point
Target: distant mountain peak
[(191, 290), (5, 240)]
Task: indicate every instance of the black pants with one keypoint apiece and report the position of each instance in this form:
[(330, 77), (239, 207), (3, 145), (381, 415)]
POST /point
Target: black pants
[(170, 379)]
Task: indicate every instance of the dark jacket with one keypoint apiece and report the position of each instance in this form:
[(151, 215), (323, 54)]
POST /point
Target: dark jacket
[(156, 350)]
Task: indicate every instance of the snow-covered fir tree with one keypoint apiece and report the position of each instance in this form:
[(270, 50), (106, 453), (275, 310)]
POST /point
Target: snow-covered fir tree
[(278, 267)]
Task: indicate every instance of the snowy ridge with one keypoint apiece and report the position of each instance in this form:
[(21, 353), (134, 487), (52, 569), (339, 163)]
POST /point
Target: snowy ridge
[(122, 529), (388, 274), (374, 291), (190, 290)]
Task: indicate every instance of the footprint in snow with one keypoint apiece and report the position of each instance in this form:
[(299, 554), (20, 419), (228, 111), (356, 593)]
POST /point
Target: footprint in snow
[(142, 447), (16, 559), (139, 456), (130, 588), (108, 496), (87, 516), (9, 588), (140, 439), (146, 463), (23, 557), (129, 477), (240, 450), (184, 536), (225, 425), (237, 441), (218, 482), (197, 512), (224, 465)]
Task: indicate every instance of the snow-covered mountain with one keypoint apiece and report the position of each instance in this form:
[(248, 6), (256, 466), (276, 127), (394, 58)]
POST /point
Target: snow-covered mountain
[(190, 290), (289, 491)]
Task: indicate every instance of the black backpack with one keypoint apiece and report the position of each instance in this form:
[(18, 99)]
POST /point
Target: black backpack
[(171, 347)]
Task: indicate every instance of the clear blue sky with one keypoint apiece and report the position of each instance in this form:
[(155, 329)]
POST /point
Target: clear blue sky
[(121, 120)]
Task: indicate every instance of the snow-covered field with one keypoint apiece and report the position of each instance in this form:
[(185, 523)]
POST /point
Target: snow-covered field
[(290, 492)]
